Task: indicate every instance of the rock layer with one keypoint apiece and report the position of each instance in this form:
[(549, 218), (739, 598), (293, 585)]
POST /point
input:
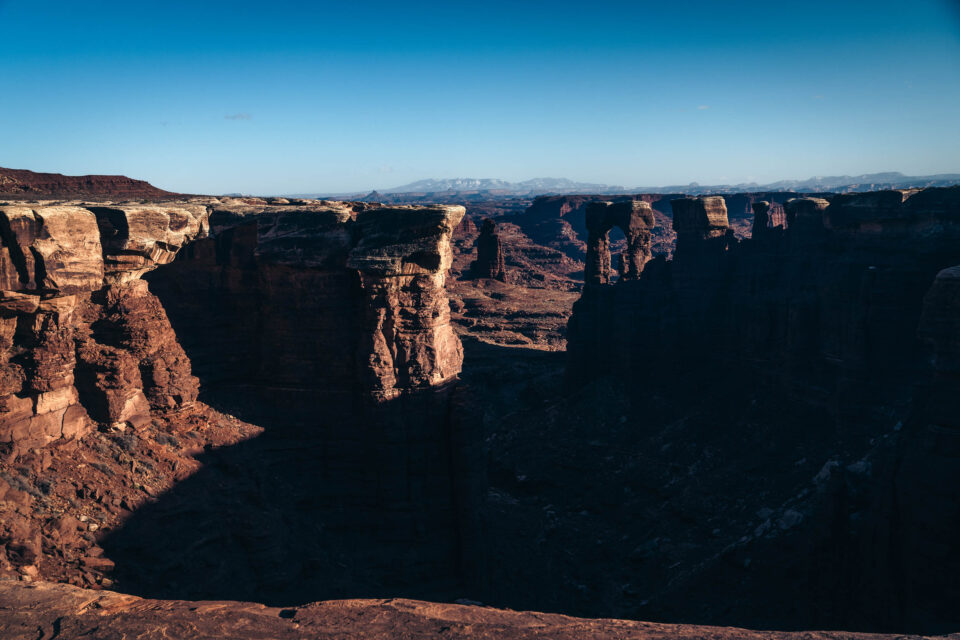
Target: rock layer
[(336, 298), (31, 611)]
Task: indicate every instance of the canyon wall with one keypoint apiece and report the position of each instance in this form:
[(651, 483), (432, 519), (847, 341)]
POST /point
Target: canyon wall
[(310, 303), (844, 307), (817, 306), (332, 299)]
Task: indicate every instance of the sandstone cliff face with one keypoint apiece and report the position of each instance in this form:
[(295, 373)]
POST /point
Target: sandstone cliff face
[(823, 316), (336, 299), (327, 324), (83, 337), (305, 303)]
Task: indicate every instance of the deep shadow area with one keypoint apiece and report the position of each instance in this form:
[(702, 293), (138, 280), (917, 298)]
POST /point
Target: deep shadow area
[(350, 491), (304, 512), (728, 506), (698, 498)]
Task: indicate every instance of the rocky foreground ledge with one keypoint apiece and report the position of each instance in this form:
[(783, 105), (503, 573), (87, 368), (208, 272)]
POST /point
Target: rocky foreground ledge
[(46, 611)]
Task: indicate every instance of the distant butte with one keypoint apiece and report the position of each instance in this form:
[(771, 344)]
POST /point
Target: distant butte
[(20, 184)]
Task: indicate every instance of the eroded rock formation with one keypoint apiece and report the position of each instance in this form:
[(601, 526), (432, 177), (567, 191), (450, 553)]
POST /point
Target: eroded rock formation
[(83, 336), (635, 219), (335, 298), (489, 262)]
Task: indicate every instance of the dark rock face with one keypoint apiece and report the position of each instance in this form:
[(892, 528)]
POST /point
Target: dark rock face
[(824, 314), (489, 262), (335, 298), (925, 501)]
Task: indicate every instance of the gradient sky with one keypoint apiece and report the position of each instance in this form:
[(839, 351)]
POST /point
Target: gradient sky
[(287, 97)]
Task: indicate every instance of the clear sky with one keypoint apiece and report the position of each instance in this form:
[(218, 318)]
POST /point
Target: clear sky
[(285, 97)]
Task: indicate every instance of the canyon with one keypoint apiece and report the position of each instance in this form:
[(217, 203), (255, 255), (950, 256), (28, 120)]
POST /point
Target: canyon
[(749, 421)]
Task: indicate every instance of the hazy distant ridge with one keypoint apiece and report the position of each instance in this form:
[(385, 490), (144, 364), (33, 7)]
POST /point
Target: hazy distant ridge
[(560, 186), (527, 187), (865, 182)]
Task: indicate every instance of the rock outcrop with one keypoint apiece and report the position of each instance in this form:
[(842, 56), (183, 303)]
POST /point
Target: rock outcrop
[(82, 335), (336, 298), (28, 611), (635, 219), (817, 291), (489, 262)]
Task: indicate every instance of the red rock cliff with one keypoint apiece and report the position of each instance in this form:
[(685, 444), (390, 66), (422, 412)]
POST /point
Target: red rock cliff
[(85, 339)]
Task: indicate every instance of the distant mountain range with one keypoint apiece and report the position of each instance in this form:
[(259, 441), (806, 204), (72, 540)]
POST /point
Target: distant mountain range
[(491, 186), (837, 184), (535, 186), (560, 186), (18, 183)]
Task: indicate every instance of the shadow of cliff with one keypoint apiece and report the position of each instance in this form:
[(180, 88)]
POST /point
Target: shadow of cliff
[(349, 504), (335, 499)]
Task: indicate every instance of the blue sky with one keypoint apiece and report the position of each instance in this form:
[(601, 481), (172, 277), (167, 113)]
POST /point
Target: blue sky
[(286, 97)]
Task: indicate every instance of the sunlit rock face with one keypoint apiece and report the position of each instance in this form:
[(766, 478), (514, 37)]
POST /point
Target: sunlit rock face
[(82, 335), (331, 297)]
